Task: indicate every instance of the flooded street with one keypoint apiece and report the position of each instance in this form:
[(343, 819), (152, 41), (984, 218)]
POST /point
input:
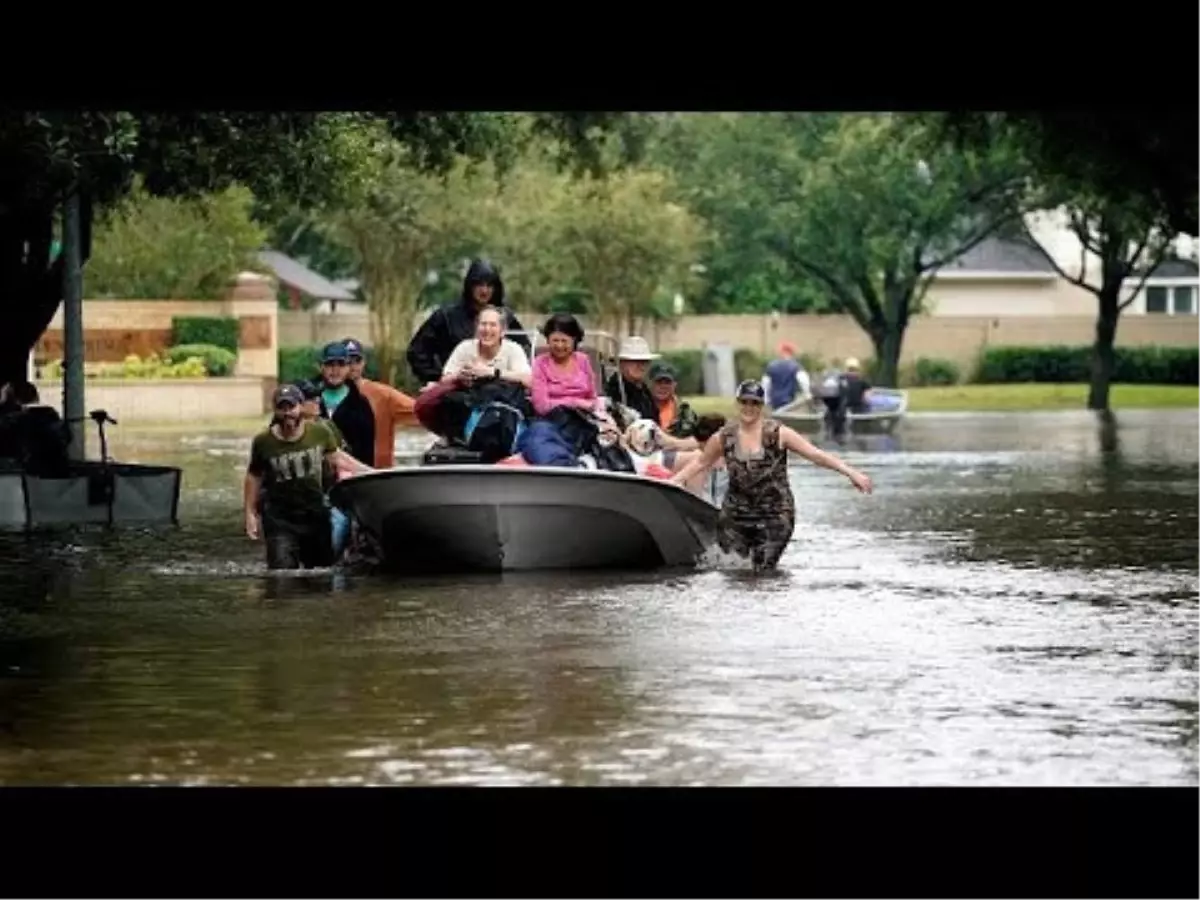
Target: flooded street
[(1015, 605)]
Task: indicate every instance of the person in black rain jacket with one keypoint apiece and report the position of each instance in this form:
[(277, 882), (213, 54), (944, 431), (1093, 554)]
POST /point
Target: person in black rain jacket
[(448, 325)]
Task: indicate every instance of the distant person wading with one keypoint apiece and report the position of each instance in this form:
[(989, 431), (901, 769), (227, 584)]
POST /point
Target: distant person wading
[(758, 514)]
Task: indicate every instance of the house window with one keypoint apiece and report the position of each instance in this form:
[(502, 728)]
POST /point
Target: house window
[(1185, 301), (1182, 300)]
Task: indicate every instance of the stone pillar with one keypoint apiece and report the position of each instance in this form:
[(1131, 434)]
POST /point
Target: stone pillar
[(252, 299)]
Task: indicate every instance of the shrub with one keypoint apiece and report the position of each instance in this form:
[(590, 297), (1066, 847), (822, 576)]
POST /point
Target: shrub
[(689, 370), (748, 365), (217, 361), (135, 368), (216, 331), (929, 372), (1063, 364)]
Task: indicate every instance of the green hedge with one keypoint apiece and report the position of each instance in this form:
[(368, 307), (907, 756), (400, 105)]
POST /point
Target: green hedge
[(214, 331), (218, 362), (1063, 364)]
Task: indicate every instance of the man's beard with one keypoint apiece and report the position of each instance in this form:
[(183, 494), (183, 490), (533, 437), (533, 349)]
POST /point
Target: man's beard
[(289, 422)]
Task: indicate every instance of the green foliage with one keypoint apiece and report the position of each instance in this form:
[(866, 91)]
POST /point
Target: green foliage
[(931, 372), (855, 212), (218, 361), (627, 242), (1067, 364), (400, 227), (162, 248), (689, 370), (1120, 156), (218, 331), (299, 364)]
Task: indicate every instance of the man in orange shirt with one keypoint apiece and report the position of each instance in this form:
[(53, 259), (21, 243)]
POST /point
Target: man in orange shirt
[(392, 408)]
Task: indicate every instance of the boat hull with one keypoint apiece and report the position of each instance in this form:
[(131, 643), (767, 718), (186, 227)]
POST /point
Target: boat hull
[(92, 493), (481, 518), (809, 421)]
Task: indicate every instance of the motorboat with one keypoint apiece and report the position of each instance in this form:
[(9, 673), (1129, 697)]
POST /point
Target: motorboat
[(470, 517), (90, 492), (453, 513), (889, 406)]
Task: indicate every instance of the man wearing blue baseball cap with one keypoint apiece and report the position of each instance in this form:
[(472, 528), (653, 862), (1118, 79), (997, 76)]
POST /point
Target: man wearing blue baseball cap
[(345, 404), (392, 408)]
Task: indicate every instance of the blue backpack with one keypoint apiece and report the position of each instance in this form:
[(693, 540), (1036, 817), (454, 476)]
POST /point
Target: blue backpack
[(494, 430)]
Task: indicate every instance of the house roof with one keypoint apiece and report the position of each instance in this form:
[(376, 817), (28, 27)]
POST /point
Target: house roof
[(302, 278), (1176, 268), (998, 256)]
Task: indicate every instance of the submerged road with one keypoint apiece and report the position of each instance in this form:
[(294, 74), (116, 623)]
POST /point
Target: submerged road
[(1016, 604)]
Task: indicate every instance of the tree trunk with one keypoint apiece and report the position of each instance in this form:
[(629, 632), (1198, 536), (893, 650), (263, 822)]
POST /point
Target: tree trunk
[(30, 287), (1103, 357), (381, 338), (888, 342)]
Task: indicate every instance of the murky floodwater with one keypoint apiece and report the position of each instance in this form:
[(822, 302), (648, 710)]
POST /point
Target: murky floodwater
[(1017, 604)]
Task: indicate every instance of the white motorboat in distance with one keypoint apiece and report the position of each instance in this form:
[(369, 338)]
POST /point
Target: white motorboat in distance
[(808, 419), (493, 518)]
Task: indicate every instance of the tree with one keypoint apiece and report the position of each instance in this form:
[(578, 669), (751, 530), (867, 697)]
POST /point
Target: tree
[(628, 241), (44, 156), (857, 205), (287, 159), (1126, 240), (742, 274), (148, 247), (403, 225), (1142, 154), (526, 230)]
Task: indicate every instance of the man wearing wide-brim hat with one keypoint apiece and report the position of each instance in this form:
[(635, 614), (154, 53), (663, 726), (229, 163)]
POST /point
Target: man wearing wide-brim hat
[(627, 386)]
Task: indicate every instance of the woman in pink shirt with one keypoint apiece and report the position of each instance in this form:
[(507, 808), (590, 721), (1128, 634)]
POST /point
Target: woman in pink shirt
[(562, 381), (563, 376)]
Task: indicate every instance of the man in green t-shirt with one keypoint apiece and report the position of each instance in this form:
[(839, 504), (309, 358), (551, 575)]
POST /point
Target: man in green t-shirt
[(287, 465)]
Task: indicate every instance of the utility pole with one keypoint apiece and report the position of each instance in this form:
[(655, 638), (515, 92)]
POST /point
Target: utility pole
[(73, 381)]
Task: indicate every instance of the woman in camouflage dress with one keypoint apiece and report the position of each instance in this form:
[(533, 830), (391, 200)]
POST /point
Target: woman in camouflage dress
[(758, 514)]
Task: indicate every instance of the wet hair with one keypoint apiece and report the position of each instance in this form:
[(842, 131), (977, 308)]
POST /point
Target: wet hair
[(563, 323), (707, 426)]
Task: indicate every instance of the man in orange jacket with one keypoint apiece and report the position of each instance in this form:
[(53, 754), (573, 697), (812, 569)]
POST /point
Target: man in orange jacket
[(392, 408)]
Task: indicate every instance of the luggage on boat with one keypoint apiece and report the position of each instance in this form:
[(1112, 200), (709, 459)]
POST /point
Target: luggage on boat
[(494, 430), (487, 419)]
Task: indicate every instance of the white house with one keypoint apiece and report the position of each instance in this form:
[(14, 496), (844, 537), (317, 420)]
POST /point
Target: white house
[(1008, 278)]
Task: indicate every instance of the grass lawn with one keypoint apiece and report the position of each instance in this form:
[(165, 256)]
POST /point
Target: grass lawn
[(994, 397)]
